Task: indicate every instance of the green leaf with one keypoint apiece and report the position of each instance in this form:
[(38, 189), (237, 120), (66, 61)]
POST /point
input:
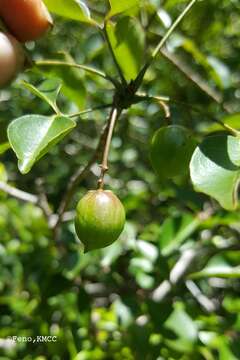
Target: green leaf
[(175, 230), (225, 352), (71, 9), (73, 86), (184, 327), (218, 267), (32, 136), (127, 41), (215, 169), (120, 6), (48, 91)]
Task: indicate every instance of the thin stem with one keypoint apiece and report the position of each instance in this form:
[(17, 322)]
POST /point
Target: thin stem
[(104, 165), (27, 197), (233, 131), (207, 304), (162, 100), (78, 66), (195, 79), (113, 55), (18, 194), (165, 108), (172, 28), (141, 74), (87, 111), (228, 128), (178, 272)]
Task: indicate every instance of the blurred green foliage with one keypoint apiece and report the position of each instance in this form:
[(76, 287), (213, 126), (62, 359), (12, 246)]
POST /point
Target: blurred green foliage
[(103, 305)]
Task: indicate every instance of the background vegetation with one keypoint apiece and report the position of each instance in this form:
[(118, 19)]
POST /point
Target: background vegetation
[(169, 288)]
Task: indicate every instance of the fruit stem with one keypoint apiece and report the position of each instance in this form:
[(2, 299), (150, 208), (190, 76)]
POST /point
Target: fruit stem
[(115, 112)]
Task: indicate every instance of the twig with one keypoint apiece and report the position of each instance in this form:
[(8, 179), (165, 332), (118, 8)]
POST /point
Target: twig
[(207, 304), (104, 165), (171, 29), (18, 194), (165, 108), (182, 266), (78, 66), (160, 45), (66, 217), (176, 274), (159, 99), (195, 78), (43, 200), (27, 197)]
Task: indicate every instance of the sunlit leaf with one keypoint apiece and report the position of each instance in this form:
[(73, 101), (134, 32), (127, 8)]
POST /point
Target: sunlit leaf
[(73, 86), (32, 136), (48, 91), (71, 9), (127, 40), (215, 169), (121, 6)]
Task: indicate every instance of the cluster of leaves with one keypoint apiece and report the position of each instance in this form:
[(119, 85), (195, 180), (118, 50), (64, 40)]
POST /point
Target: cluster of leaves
[(108, 304)]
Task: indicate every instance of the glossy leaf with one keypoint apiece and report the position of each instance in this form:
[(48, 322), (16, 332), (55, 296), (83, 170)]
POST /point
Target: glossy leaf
[(48, 91), (32, 136), (73, 86), (120, 6), (71, 9), (127, 40), (215, 169)]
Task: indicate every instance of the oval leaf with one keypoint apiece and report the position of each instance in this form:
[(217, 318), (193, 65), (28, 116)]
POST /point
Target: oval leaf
[(73, 86), (120, 6), (215, 169), (71, 9), (32, 136), (48, 91), (127, 41)]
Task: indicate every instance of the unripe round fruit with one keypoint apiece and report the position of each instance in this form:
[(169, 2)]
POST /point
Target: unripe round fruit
[(171, 150), (26, 19), (99, 220), (12, 58)]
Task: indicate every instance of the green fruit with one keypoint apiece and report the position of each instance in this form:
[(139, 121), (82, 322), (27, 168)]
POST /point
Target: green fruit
[(171, 150), (100, 219)]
